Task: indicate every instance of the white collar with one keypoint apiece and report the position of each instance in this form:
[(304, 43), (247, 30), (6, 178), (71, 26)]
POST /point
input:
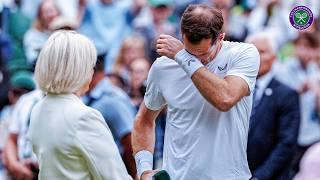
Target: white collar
[(264, 81)]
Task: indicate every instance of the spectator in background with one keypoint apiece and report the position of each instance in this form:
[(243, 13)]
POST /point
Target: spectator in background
[(38, 34), (18, 157), (116, 109), (107, 23), (132, 48), (157, 23), (299, 72), (235, 20), (275, 117), (68, 8), (139, 70), (20, 83)]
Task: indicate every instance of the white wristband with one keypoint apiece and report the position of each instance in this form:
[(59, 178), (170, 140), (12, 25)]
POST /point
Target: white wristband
[(188, 62), (144, 162)]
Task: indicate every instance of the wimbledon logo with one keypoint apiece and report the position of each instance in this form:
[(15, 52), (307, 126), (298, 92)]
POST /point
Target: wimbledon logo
[(301, 17)]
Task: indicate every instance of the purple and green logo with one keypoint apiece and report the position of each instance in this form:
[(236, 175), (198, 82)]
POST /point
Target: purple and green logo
[(301, 17)]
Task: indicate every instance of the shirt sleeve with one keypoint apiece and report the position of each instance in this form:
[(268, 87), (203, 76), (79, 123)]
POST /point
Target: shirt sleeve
[(246, 66), (95, 144), (153, 97)]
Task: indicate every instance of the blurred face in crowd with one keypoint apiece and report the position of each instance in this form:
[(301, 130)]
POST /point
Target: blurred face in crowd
[(139, 72), (48, 13), (133, 48), (161, 13), (267, 54), (304, 52), (131, 53)]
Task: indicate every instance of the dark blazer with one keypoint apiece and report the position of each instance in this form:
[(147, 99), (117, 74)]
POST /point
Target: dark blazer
[(273, 132)]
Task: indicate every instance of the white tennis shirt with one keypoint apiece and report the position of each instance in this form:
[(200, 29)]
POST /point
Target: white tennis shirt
[(202, 142)]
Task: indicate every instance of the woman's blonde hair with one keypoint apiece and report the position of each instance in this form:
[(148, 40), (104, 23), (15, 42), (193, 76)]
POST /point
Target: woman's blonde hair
[(65, 63)]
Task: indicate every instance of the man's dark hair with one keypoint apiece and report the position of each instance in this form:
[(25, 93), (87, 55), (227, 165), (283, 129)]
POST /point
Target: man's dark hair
[(99, 67), (201, 22)]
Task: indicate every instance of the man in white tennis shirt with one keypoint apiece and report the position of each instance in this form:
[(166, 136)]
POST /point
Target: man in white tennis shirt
[(207, 85)]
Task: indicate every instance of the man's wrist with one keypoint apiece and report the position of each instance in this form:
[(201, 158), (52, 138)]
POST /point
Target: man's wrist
[(144, 162), (188, 62)]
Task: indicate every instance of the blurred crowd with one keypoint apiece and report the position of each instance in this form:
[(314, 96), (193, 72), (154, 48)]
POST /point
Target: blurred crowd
[(125, 33)]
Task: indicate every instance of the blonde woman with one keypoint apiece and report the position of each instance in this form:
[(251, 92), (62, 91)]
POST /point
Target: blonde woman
[(132, 48), (71, 140)]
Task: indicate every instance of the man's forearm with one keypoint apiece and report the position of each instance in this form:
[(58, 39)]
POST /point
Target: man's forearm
[(143, 135), (213, 89), (143, 140), (221, 93)]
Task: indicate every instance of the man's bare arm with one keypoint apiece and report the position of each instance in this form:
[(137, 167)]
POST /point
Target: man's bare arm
[(143, 140), (143, 135), (221, 93)]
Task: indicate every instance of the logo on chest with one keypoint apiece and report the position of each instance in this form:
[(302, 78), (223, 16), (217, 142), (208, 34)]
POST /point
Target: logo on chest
[(222, 68)]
